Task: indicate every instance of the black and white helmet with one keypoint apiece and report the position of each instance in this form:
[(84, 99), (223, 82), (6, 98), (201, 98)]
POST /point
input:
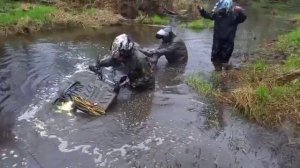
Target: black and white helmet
[(121, 45), (163, 33)]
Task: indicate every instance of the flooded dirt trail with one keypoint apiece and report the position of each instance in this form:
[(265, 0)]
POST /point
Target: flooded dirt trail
[(170, 126)]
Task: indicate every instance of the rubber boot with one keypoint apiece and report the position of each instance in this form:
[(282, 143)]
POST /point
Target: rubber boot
[(226, 66), (218, 66)]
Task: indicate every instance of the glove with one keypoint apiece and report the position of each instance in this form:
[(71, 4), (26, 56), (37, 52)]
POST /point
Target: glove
[(123, 79), (199, 7), (117, 88), (96, 70), (238, 9), (152, 52), (93, 68)]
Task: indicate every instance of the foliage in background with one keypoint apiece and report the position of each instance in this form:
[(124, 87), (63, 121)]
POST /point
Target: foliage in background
[(19, 17), (154, 20), (37, 14), (199, 24)]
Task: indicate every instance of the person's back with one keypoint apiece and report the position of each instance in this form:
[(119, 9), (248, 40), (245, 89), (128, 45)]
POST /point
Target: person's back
[(174, 51), (139, 69)]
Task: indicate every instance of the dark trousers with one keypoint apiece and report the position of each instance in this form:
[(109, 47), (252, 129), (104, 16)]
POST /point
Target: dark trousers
[(221, 50)]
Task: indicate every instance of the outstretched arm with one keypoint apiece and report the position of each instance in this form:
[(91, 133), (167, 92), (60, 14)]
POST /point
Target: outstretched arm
[(166, 49), (147, 52), (106, 62), (205, 14)]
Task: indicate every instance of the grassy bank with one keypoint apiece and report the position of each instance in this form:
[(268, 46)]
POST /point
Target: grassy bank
[(199, 24), (35, 13), (288, 9), (18, 17), (153, 20), (268, 94)]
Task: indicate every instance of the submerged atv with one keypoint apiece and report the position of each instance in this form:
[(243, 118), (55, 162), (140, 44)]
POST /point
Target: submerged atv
[(89, 92)]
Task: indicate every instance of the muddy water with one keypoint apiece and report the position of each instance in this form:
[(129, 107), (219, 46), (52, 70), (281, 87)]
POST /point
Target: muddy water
[(168, 127)]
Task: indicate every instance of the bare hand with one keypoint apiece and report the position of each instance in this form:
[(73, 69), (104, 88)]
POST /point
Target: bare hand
[(238, 9), (199, 7)]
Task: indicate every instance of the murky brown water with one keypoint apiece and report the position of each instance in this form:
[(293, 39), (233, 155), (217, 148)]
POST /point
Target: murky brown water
[(168, 127)]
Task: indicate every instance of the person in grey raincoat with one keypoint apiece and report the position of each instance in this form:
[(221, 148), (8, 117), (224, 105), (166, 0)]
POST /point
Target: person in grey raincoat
[(172, 47), (226, 19), (137, 66)]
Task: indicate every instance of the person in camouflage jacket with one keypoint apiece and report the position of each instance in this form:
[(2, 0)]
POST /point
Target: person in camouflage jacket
[(136, 65)]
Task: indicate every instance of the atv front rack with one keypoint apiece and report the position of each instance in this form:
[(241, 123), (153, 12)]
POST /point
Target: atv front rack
[(88, 93)]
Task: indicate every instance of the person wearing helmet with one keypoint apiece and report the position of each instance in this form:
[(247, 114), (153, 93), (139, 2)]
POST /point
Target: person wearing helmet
[(137, 66), (172, 47), (226, 20)]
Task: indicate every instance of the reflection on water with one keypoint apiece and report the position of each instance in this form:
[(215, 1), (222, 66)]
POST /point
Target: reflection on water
[(167, 127)]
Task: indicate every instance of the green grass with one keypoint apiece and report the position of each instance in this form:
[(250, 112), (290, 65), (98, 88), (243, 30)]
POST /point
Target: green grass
[(158, 20), (282, 91), (6, 5), (263, 94), (289, 43), (260, 65), (91, 11), (200, 24), (200, 84), (155, 20), (296, 17), (38, 14), (292, 63)]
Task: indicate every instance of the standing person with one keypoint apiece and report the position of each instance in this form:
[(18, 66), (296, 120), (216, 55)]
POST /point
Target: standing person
[(172, 47), (226, 20), (136, 64)]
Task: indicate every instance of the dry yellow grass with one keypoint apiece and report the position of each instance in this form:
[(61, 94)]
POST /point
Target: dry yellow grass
[(261, 98), (34, 17), (95, 19)]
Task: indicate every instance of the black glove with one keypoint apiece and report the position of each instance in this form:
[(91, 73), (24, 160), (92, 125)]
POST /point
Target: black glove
[(117, 88), (93, 68), (96, 69), (123, 79)]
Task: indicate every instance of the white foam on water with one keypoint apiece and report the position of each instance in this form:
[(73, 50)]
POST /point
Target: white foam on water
[(159, 141), (65, 147), (46, 94), (81, 67), (103, 163), (99, 158), (140, 146), (122, 150), (192, 138), (29, 113), (65, 107)]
